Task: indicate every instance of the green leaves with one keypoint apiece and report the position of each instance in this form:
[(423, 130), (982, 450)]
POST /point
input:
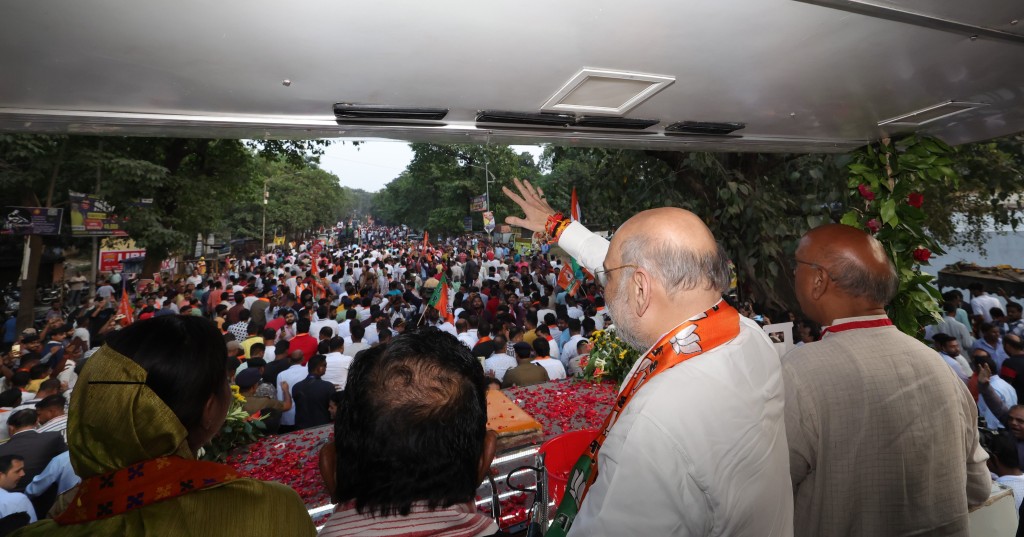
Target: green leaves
[(888, 213), (898, 173), (434, 190)]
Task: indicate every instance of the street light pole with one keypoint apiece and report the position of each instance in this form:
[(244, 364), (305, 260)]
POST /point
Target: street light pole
[(263, 235)]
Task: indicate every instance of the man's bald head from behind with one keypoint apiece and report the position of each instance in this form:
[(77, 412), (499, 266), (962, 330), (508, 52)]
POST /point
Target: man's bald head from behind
[(845, 271)]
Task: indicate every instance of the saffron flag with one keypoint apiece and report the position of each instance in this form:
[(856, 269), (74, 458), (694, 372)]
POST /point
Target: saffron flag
[(439, 300), (567, 280), (125, 311), (574, 207), (426, 240)]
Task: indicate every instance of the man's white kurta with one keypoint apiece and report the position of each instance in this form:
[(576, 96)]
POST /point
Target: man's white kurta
[(701, 449)]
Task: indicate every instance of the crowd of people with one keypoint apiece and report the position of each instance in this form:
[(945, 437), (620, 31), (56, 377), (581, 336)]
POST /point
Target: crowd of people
[(713, 433)]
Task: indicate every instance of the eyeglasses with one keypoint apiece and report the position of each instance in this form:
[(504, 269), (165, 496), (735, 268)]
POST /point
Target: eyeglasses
[(602, 274), (814, 265)]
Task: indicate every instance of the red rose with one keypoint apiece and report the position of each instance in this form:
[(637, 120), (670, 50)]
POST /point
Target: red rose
[(874, 225), (922, 255), (915, 199), (866, 192)]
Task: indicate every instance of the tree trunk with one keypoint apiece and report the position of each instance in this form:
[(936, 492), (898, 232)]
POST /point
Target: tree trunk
[(151, 265), (26, 310)]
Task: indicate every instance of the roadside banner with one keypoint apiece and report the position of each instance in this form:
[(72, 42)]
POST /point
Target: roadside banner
[(31, 221), (488, 221), (467, 223), (92, 216), (478, 203), (115, 250)]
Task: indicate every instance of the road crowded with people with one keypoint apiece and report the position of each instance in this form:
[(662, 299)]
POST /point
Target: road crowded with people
[(394, 338)]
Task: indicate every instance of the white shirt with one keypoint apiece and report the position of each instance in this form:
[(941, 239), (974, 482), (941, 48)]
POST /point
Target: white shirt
[(1016, 483), (599, 320), (345, 330), (575, 312), (293, 375), (316, 326), (337, 369), (353, 349), (542, 314), (569, 350), (554, 368), (362, 313), (16, 502), (371, 336), (955, 366), (731, 479), (469, 340), (981, 305), (1005, 392), (499, 364), (447, 327)]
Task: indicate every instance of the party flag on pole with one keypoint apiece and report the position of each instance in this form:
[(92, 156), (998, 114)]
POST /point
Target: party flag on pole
[(439, 300), (124, 309)]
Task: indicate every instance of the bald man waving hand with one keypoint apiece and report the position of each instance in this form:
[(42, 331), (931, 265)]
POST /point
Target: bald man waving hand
[(882, 434), (695, 444)]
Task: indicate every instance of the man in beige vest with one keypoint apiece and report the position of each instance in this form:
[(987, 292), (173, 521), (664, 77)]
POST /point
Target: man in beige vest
[(883, 436)]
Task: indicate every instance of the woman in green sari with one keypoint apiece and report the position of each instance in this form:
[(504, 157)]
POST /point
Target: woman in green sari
[(143, 406)]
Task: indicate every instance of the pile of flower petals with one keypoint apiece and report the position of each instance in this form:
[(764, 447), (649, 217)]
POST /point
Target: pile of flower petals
[(290, 459), (566, 405)]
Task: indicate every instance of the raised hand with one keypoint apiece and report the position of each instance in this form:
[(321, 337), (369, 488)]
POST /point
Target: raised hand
[(531, 200)]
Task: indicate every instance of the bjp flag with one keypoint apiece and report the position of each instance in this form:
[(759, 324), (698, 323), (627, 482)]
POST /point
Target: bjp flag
[(439, 300), (125, 311)]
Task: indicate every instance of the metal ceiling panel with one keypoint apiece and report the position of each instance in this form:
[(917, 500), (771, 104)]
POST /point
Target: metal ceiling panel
[(801, 77)]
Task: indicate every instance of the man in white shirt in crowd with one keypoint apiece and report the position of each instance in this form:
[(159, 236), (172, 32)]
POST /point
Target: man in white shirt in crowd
[(949, 350), (337, 363), (295, 374), (1004, 462), (323, 321), (572, 308), (663, 271), (568, 351), (982, 303), (498, 363), (554, 368), (467, 339), (195, 278), (12, 468), (357, 341)]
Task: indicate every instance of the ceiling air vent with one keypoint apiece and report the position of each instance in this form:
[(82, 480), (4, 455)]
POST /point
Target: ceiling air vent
[(929, 114), (615, 123), (525, 118), (345, 111), (705, 128), (606, 92)]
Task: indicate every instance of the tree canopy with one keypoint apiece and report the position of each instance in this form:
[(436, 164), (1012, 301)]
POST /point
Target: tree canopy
[(435, 189)]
